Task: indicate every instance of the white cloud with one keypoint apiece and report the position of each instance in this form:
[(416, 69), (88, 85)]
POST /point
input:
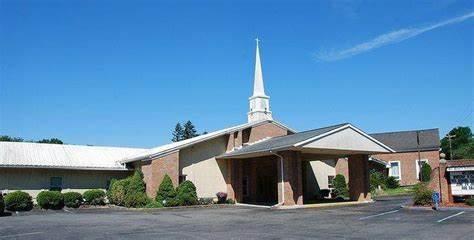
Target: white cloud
[(386, 39)]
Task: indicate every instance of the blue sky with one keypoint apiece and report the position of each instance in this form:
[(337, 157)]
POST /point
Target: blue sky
[(122, 73)]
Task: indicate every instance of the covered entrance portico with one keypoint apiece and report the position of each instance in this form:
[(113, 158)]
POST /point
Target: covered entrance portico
[(271, 171)]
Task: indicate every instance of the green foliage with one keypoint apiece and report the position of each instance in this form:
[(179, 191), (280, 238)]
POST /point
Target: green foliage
[(5, 138), (72, 199), (128, 192), (206, 201), (52, 141), (462, 143), (391, 182), (377, 179), (117, 191), (178, 133), (186, 194), (340, 187), (136, 200), (189, 130), (422, 194), (470, 202), (153, 204), (166, 192), (50, 200), (425, 172), (94, 197), (2, 205), (18, 201)]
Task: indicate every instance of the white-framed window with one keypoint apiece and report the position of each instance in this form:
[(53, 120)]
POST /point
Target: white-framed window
[(418, 162), (395, 170)]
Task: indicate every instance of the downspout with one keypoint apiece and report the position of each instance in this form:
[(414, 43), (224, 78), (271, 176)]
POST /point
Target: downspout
[(282, 180)]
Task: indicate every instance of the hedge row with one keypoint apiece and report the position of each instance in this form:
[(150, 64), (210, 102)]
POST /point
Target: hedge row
[(129, 192), (183, 195)]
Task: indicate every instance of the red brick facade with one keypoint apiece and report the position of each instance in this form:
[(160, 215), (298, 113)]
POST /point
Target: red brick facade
[(408, 163), (253, 134), (359, 178), (156, 169)]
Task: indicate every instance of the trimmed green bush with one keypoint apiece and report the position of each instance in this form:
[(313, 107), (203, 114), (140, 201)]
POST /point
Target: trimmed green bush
[(186, 194), (391, 182), (425, 172), (117, 191), (2, 204), (422, 194), (377, 179), (340, 187), (73, 199), (136, 200), (50, 200), (153, 204), (136, 184), (94, 197), (18, 201), (166, 192), (470, 202)]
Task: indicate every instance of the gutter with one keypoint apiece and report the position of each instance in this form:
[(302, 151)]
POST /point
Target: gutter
[(282, 180)]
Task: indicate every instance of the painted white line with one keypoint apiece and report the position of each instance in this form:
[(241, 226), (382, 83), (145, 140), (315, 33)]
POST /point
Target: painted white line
[(20, 235), (454, 215), (380, 214), (67, 211)]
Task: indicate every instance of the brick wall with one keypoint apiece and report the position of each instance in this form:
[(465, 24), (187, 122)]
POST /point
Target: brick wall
[(155, 170), (408, 163), (253, 134), (359, 178)]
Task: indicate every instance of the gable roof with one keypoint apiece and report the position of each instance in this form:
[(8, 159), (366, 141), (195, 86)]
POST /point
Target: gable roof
[(43, 155), (405, 141), (175, 146), (294, 140)]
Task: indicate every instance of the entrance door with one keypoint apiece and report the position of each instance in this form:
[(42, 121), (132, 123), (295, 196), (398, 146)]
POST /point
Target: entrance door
[(266, 189)]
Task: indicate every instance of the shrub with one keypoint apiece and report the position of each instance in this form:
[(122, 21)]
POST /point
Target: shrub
[(377, 179), (117, 191), (230, 201), (2, 204), (166, 191), (50, 200), (391, 182), (94, 197), (73, 199), (136, 183), (186, 194), (221, 197), (205, 201), (136, 200), (470, 201), (422, 194), (153, 204), (425, 172), (340, 187), (18, 201)]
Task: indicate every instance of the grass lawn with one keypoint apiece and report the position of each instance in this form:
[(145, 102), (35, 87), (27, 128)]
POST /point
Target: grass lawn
[(408, 190)]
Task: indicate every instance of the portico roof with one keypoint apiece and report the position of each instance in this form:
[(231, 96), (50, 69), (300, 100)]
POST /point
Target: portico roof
[(336, 139)]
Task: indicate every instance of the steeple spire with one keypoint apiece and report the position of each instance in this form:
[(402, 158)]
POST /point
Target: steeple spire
[(259, 102), (258, 88)]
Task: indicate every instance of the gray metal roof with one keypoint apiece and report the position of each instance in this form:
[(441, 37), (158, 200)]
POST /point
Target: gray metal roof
[(405, 141), (281, 142)]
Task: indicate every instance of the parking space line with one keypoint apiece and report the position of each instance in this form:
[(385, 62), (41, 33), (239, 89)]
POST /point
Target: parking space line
[(20, 235), (448, 217), (380, 214)]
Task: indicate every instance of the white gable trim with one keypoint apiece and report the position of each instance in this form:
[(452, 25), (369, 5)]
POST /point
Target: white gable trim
[(313, 139)]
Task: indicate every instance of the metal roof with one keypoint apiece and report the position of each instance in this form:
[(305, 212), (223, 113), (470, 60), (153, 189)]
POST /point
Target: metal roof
[(175, 146), (405, 141), (43, 155), (288, 141)]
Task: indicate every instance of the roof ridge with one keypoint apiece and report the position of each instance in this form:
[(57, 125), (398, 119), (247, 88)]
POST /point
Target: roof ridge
[(73, 145), (427, 129)]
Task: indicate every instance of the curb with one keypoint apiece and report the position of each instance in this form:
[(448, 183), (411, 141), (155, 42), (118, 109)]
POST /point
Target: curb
[(439, 209)]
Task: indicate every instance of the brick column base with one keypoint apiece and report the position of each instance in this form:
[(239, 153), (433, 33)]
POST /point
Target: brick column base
[(359, 178)]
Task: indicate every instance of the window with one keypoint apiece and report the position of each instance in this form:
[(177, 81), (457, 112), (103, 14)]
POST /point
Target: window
[(56, 184), (182, 178), (418, 165), (395, 170), (330, 179)]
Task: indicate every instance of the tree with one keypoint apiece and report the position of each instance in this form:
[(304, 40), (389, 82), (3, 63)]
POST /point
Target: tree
[(189, 130), (425, 172), (166, 192), (462, 143), (5, 138), (340, 187), (178, 133), (52, 141)]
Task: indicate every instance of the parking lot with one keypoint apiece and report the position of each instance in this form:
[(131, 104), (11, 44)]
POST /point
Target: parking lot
[(383, 219)]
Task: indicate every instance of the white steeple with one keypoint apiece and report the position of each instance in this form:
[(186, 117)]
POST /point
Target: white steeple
[(259, 102)]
